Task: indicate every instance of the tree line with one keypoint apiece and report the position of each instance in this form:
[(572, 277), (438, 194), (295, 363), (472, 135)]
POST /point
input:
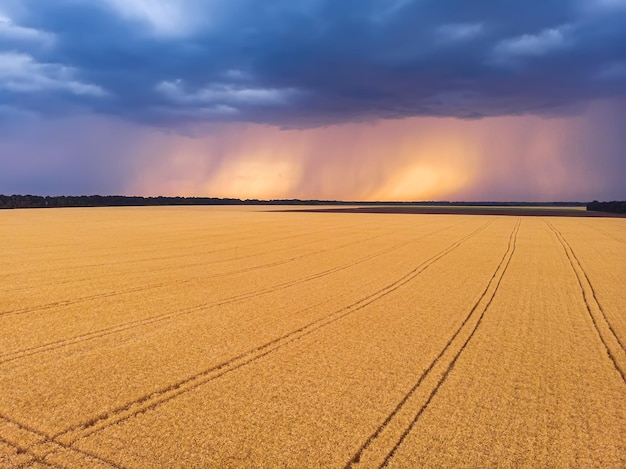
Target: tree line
[(37, 201), (615, 206)]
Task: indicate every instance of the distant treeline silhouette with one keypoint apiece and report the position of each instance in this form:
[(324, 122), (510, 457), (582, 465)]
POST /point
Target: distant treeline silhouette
[(37, 201), (615, 206)]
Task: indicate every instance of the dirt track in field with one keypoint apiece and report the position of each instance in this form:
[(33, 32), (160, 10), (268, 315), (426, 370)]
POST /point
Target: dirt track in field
[(239, 337)]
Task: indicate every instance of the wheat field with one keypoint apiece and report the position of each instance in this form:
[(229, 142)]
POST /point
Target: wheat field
[(243, 337)]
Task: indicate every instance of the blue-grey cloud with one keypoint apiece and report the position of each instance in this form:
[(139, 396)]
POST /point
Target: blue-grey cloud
[(309, 62)]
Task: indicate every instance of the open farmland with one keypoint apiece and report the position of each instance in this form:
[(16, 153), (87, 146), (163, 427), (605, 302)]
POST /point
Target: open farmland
[(236, 337)]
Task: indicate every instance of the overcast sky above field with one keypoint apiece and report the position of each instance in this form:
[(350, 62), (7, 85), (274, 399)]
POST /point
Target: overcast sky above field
[(325, 99)]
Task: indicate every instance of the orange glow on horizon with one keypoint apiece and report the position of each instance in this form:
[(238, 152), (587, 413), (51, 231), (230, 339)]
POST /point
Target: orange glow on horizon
[(394, 160)]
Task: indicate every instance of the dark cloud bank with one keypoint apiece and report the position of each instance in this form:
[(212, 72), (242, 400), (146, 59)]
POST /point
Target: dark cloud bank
[(313, 61)]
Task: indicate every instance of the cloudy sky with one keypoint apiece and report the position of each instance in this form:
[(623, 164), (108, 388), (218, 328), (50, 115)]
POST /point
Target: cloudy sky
[(326, 99)]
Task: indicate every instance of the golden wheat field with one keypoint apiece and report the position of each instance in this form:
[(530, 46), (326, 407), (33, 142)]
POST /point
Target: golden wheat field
[(241, 337)]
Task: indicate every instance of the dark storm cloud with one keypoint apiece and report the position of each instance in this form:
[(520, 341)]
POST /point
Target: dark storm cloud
[(309, 62)]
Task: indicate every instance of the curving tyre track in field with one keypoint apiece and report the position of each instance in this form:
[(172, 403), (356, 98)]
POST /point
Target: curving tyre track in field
[(443, 363), (178, 282), (606, 333), (44, 446), (16, 355), (156, 398)]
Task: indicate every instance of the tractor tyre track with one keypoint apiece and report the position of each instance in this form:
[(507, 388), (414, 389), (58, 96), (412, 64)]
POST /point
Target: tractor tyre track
[(494, 282), (153, 286), (44, 439), (24, 450), (229, 300), (185, 266), (592, 304), (177, 256), (150, 401)]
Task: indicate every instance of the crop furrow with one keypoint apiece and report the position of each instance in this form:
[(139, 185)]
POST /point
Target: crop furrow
[(178, 282), (593, 306), (20, 449), (169, 268), (484, 300), (593, 293), (48, 445), (181, 256), (156, 398), (229, 300)]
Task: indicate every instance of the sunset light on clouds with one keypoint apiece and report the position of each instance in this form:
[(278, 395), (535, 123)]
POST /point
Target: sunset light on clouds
[(368, 100), (532, 158)]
